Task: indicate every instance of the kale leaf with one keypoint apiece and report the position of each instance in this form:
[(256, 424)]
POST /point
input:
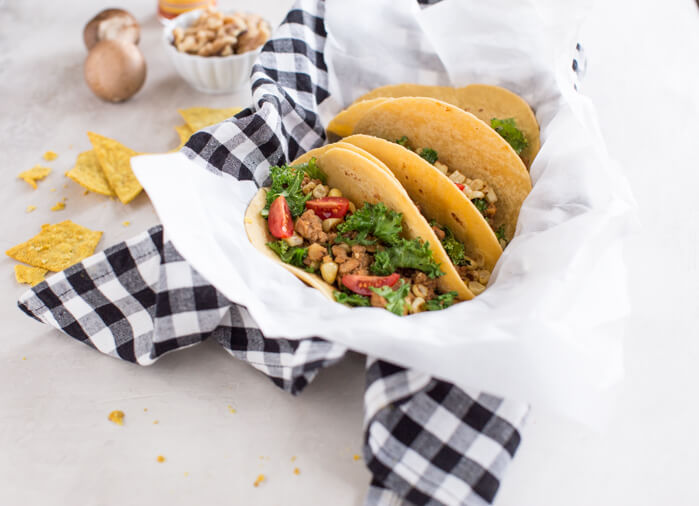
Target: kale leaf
[(509, 131), (454, 248), (403, 141), (500, 233), (429, 154), (351, 299), (289, 255), (395, 298), (287, 180), (406, 253), (481, 205), (374, 219), (442, 301)]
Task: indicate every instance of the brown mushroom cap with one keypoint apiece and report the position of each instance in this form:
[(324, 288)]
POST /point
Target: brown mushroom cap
[(115, 70), (111, 24)]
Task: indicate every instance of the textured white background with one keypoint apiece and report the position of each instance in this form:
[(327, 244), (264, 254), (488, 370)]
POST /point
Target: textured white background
[(56, 446)]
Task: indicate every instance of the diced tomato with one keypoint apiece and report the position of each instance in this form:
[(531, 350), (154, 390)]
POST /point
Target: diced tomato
[(360, 284), (329, 207), (460, 186), (280, 221)]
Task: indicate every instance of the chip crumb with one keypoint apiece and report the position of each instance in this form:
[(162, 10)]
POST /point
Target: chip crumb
[(297, 471), (259, 480), (232, 410), (126, 223), (156, 422), (161, 458), (116, 417), (86, 192), (36, 173), (248, 220), (186, 474), (293, 459), (29, 275), (60, 206), (145, 409), (52, 190), (31, 208), (24, 358), (356, 457), (50, 155)]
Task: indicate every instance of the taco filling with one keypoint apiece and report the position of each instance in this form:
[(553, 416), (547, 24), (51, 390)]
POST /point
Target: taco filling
[(360, 251), (476, 190)]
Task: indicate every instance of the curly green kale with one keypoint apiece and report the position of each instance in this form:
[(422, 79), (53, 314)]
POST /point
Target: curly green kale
[(454, 248), (351, 299), (481, 205), (403, 141), (376, 220), (409, 254), (287, 180), (395, 298), (289, 255), (442, 301), (509, 131), (429, 154), (500, 233)]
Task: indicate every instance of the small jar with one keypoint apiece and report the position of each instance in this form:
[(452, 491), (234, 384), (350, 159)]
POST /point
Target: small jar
[(168, 9)]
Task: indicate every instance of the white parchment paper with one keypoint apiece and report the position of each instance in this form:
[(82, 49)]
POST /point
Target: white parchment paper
[(548, 329)]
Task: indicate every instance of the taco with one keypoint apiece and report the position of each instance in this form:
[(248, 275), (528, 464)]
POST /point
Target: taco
[(466, 236), (343, 225), (506, 112), (471, 154)]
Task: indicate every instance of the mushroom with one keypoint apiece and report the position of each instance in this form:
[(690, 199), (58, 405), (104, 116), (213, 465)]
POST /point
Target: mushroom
[(111, 24), (115, 70)]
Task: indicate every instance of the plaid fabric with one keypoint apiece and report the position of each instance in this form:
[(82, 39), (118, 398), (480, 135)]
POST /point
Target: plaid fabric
[(426, 441)]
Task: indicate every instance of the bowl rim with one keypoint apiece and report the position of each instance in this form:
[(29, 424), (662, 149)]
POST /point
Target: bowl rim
[(178, 21)]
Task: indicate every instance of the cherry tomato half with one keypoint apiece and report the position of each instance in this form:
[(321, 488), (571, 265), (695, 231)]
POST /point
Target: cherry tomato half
[(329, 207), (280, 221), (460, 186), (360, 284)]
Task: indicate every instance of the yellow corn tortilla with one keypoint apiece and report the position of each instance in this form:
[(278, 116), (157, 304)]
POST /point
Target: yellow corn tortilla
[(57, 246), (36, 173), (343, 124), (29, 275), (361, 180), (482, 100), (88, 173), (436, 195), (202, 117), (115, 160), (463, 143)]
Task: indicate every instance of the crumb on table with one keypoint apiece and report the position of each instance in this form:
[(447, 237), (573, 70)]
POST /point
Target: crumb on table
[(260, 478), (116, 416), (161, 458)]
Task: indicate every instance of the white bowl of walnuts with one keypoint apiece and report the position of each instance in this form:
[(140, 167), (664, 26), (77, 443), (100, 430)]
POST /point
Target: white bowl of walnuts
[(214, 51)]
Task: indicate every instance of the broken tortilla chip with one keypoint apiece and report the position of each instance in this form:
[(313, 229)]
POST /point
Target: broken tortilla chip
[(29, 275), (57, 246), (60, 206), (34, 174), (49, 156), (115, 159), (201, 117), (88, 173)]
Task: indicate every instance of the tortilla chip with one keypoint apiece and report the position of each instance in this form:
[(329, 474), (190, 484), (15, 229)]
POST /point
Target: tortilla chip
[(115, 159), (184, 132), (201, 117), (34, 174), (49, 156), (60, 206), (29, 275), (88, 173), (57, 246)]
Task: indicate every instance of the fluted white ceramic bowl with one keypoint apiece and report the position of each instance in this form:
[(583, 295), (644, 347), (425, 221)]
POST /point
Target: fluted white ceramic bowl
[(208, 74)]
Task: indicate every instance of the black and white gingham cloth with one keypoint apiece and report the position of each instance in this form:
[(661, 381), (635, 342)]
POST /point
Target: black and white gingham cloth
[(426, 441)]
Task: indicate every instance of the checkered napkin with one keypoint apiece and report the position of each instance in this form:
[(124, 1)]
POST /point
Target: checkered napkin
[(426, 441)]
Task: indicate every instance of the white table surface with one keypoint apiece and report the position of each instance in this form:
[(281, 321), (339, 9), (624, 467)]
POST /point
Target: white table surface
[(56, 446)]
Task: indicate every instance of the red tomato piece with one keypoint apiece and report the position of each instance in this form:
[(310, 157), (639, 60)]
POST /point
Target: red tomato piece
[(279, 220), (329, 207), (460, 186), (360, 284)]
